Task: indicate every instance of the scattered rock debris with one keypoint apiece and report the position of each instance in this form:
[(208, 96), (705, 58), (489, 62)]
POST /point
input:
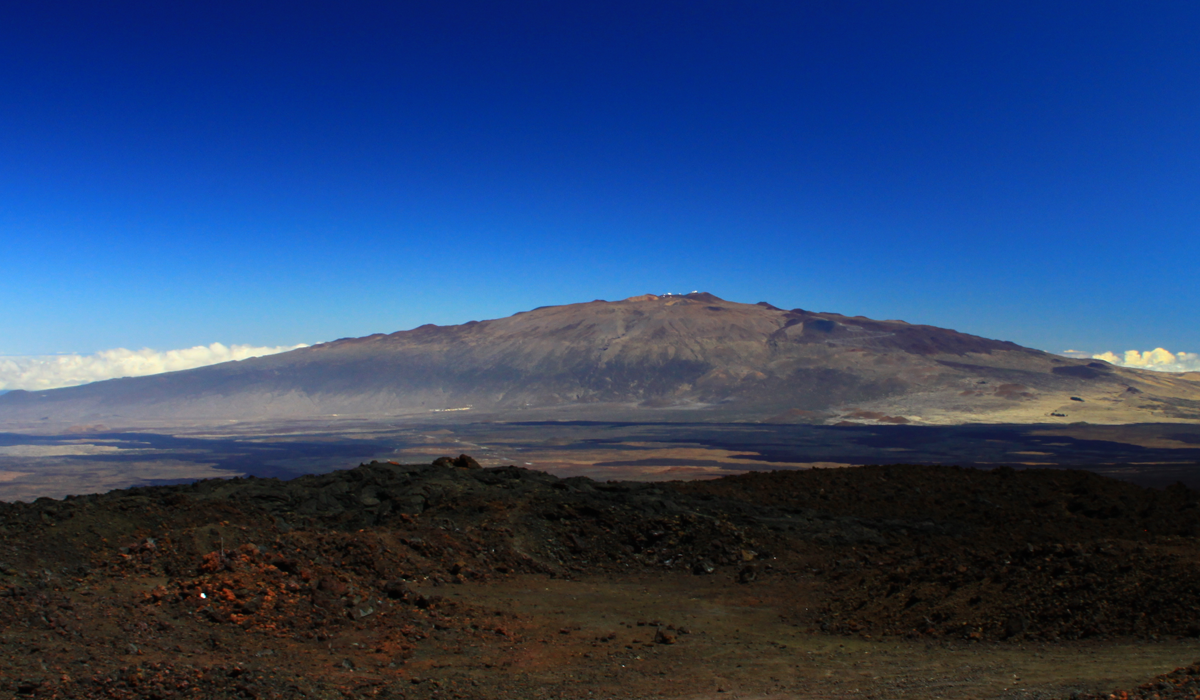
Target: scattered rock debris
[(1180, 684), (323, 586)]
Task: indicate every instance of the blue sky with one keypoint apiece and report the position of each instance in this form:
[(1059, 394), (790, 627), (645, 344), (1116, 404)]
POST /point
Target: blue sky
[(179, 174)]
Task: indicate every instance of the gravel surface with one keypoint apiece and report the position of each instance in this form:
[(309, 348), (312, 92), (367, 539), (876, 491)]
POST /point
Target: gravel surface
[(448, 580)]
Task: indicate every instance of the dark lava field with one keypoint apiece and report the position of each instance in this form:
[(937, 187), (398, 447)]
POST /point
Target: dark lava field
[(449, 580)]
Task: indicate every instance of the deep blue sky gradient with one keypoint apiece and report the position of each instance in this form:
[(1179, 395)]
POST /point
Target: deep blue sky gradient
[(174, 174)]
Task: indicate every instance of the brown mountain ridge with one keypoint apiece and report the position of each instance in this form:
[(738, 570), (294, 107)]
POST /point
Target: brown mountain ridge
[(675, 357)]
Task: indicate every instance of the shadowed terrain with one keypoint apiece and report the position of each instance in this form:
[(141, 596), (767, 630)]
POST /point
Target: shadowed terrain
[(451, 580), (621, 533), (90, 459)]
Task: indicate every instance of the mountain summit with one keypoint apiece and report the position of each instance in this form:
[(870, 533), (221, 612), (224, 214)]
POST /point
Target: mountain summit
[(649, 357)]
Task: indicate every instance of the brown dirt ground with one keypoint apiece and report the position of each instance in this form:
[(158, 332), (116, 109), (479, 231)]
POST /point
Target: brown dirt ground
[(445, 581)]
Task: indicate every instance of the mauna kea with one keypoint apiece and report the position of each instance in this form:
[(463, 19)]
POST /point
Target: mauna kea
[(689, 357)]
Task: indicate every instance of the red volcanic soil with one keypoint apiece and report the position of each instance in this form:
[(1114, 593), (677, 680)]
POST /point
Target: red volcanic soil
[(448, 580), (1182, 683)]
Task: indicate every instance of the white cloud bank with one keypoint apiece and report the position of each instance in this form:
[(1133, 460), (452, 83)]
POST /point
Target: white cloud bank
[(54, 371), (1159, 359)]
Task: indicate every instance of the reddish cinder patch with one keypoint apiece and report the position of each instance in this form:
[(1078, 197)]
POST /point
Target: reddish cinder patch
[(427, 581)]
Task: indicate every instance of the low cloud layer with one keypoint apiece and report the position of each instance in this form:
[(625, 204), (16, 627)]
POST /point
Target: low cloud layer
[(54, 371), (1159, 359)]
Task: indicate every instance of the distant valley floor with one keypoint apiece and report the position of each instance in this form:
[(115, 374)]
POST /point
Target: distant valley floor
[(92, 459)]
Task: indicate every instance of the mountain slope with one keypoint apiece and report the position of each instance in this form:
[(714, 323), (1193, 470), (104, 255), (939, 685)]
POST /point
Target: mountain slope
[(717, 360)]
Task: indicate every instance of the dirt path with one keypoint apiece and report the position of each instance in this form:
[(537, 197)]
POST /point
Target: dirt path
[(583, 639), (306, 588)]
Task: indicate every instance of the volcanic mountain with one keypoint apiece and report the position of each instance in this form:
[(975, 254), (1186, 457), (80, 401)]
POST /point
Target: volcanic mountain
[(678, 357)]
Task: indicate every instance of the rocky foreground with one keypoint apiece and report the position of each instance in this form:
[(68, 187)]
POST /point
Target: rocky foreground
[(381, 580)]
